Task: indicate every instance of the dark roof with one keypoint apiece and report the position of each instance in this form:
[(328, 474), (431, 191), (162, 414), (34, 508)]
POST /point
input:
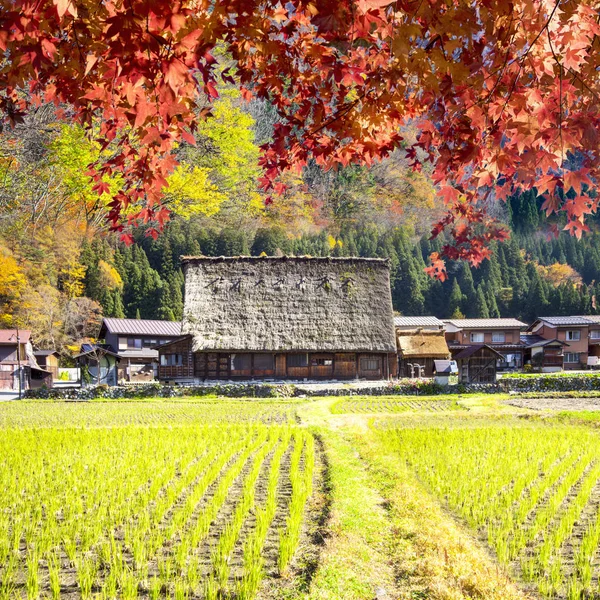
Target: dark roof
[(558, 321), (142, 327), (9, 336), (532, 340), (418, 322), (45, 353), (485, 323), (91, 348), (284, 303), (445, 367), (468, 352)]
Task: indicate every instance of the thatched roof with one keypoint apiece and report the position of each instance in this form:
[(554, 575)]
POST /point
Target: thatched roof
[(422, 342), (288, 304)]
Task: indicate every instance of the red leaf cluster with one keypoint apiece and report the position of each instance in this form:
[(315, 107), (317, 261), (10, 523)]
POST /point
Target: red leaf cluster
[(506, 92)]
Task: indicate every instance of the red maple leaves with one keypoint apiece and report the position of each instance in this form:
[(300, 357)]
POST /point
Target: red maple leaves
[(505, 93)]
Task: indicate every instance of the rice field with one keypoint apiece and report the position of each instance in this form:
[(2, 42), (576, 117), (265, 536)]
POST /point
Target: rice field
[(391, 404), (532, 493), (202, 510), (155, 412)]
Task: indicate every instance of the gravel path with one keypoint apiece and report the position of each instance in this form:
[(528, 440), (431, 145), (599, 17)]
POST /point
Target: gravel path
[(557, 403)]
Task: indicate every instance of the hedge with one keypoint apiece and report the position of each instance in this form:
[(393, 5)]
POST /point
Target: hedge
[(257, 390)]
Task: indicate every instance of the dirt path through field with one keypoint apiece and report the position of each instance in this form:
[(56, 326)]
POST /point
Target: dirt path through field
[(389, 539)]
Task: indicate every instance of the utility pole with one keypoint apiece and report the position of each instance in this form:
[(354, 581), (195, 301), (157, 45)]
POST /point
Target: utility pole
[(19, 374)]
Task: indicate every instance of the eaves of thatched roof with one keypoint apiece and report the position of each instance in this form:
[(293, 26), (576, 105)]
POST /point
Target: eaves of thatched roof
[(270, 304), (422, 343)]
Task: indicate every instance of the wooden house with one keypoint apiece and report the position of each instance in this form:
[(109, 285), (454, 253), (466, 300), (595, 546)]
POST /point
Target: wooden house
[(135, 342), (48, 360), (18, 367), (477, 364), (418, 349), (297, 318)]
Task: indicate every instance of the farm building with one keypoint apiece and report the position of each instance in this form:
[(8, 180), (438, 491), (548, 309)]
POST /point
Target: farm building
[(477, 364), (418, 349), (283, 318), (18, 366)]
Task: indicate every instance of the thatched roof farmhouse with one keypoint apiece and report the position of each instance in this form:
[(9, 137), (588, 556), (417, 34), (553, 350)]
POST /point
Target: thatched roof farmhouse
[(287, 317)]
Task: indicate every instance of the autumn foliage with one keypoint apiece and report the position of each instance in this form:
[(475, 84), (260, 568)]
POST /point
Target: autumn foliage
[(505, 94)]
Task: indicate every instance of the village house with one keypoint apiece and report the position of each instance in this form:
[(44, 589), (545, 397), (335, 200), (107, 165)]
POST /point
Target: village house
[(134, 342), (420, 342), (567, 343), (502, 335), (296, 318), (18, 367)]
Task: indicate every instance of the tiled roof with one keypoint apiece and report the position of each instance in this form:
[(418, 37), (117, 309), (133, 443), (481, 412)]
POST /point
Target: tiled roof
[(9, 336), (574, 320), (485, 323), (142, 327), (418, 322), (467, 352), (532, 340), (44, 352)]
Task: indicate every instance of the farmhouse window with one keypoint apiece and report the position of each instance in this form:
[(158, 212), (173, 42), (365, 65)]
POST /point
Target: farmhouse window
[(322, 362), (297, 360), (571, 357), (595, 334), (148, 343), (171, 360), (477, 337), (573, 335), (135, 343), (369, 364), (498, 337), (263, 362), (241, 362)]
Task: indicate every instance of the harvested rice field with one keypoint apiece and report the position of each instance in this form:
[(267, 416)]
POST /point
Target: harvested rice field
[(357, 497), (391, 404)]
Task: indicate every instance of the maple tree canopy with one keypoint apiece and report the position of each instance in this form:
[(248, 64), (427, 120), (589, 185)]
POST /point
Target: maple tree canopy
[(505, 92)]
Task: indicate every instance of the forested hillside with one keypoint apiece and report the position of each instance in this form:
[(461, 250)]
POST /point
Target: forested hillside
[(61, 270), (526, 277)]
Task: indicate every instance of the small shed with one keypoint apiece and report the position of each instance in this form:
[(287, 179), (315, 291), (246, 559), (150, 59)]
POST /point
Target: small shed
[(443, 369), (99, 362), (477, 364), (418, 349), (48, 361)]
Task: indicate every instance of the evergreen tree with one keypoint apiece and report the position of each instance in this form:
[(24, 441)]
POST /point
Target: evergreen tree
[(481, 307), (455, 301)]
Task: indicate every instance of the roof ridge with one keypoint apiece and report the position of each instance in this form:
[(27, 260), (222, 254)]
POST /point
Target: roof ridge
[(304, 257)]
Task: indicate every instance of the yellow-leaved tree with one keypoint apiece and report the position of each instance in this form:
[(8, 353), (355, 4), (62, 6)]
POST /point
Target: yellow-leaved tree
[(221, 172), (12, 284)]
